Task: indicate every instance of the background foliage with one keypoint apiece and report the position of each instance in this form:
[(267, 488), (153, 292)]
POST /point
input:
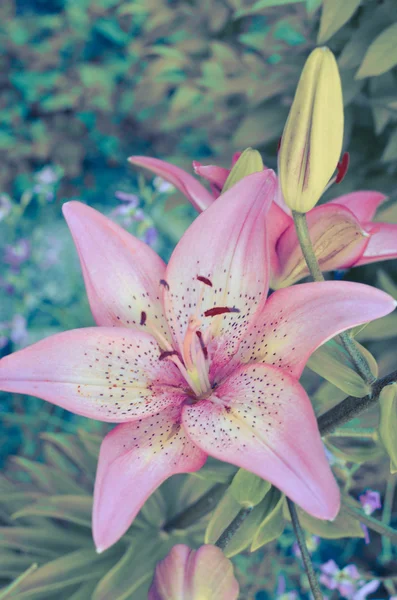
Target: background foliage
[(86, 84)]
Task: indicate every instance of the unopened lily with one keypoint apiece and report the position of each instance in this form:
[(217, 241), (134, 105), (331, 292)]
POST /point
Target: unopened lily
[(342, 231), (203, 574), (193, 359)]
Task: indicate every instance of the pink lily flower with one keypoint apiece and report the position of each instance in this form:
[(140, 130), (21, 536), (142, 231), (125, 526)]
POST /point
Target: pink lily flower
[(193, 359), (342, 230), (203, 574)]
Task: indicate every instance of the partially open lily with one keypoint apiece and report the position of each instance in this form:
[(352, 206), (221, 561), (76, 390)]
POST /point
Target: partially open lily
[(203, 574), (192, 358), (342, 231)]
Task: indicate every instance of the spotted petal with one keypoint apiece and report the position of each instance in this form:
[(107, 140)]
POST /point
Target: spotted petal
[(109, 374), (221, 262), (297, 320), (194, 191), (135, 458), (261, 419), (122, 274)]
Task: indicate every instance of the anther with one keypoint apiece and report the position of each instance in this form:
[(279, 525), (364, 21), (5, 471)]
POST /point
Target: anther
[(204, 280), (220, 310), (167, 353), (143, 318), (202, 345), (342, 167), (165, 284)]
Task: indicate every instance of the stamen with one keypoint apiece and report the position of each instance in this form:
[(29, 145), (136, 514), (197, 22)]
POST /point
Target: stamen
[(202, 345), (166, 353), (143, 318), (220, 310), (342, 167), (204, 280), (165, 284)]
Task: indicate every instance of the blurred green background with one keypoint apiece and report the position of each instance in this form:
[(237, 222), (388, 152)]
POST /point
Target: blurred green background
[(85, 84)]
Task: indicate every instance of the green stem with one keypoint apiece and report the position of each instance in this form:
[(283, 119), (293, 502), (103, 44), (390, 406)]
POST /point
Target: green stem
[(198, 509), (302, 231), (351, 407), (368, 433), (8, 591), (307, 561), (229, 532), (370, 522)]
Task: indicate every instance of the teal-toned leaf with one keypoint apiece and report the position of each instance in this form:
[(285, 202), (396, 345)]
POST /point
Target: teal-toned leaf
[(47, 478), (390, 152), (335, 14), (260, 126), (260, 5), (343, 526), (272, 525), (381, 56), (74, 509)]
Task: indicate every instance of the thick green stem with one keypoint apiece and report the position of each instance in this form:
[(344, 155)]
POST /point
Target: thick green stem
[(307, 561), (370, 522), (198, 509), (302, 231), (229, 532), (351, 407)]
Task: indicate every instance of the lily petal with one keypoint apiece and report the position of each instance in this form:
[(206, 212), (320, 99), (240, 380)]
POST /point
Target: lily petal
[(110, 374), (382, 244), (297, 320), (338, 240), (216, 176), (226, 246), (203, 574), (277, 222), (261, 419), (194, 191), (135, 458), (363, 204), (122, 274)]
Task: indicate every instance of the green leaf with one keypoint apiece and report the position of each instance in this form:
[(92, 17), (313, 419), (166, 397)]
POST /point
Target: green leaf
[(388, 423), (260, 126), (129, 574), (68, 570), (335, 14), (343, 526), (73, 509), (47, 478), (42, 541), (354, 450), (248, 489), (260, 5), (273, 522), (312, 5), (381, 56), (215, 470), (390, 152), (380, 329)]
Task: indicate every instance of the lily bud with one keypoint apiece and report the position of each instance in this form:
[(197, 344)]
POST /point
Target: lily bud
[(250, 161), (203, 574), (312, 139), (388, 423)]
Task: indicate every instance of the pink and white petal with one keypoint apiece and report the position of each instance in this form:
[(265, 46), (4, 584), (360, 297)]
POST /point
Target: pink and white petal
[(299, 319), (110, 374), (122, 274), (227, 246), (261, 419), (338, 240), (192, 189), (135, 458), (216, 176), (363, 204), (277, 222), (203, 574), (382, 244)]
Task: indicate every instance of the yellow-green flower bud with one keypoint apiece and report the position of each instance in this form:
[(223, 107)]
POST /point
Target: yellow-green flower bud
[(249, 162), (388, 423), (312, 139)]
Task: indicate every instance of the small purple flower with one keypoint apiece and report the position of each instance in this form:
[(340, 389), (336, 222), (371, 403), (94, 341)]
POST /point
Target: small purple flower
[(370, 501), (16, 254), (132, 199), (163, 186), (150, 236), (47, 176), (3, 341), (19, 332), (5, 206), (345, 580), (367, 589)]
